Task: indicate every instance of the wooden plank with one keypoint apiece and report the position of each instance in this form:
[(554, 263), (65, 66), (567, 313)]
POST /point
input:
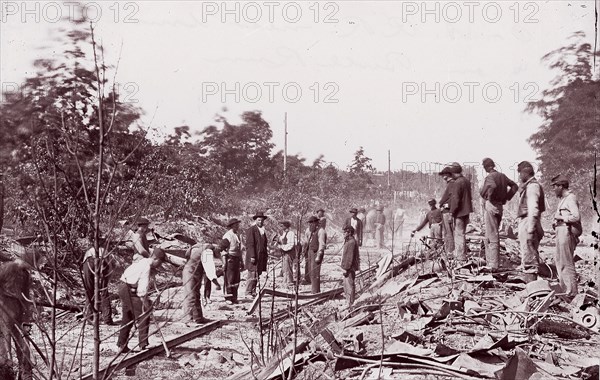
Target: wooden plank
[(155, 350), (321, 296)]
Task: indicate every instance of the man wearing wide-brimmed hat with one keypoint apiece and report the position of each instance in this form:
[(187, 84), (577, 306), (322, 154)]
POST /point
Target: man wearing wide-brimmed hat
[(256, 252), (232, 261), (567, 223), (287, 244), (314, 243), (357, 224)]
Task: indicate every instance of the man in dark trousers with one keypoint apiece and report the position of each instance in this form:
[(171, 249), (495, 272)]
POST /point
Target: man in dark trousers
[(350, 263), (314, 243), (201, 258), (232, 261), (497, 189), (447, 220), (133, 291), (531, 206), (256, 252), (460, 208), (434, 218), (356, 224)]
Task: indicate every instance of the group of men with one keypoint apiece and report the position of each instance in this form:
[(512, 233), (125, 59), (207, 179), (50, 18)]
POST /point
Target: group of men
[(237, 254), (450, 221)]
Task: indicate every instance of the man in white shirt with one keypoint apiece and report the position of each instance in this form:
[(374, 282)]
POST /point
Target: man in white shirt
[(232, 261), (287, 243), (133, 291), (567, 222)]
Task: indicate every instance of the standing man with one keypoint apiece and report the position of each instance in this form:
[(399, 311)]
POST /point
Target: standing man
[(357, 224), (232, 261), (379, 227), (399, 216), (199, 263), (362, 215), (256, 253), (434, 218), (133, 292), (567, 222), (447, 221), (15, 313), (497, 189), (287, 245), (350, 263), (315, 240), (141, 248), (531, 207), (107, 266), (460, 208)]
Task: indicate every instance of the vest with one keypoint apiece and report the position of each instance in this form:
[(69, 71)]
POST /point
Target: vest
[(313, 244), (522, 210)]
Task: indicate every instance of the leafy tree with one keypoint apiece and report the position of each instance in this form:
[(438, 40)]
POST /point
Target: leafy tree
[(568, 139), (242, 151)]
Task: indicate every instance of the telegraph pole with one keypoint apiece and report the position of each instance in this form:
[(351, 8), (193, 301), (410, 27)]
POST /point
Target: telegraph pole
[(389, 169), (285, 145)]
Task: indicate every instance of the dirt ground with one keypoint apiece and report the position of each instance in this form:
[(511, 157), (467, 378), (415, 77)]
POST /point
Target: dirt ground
[(226, 350)]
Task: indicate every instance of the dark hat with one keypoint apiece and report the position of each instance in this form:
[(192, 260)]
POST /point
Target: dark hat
[(349, 228), (353, 210), (524, 164), (432, 201), (260, 214), (320, 210), (159, 254), (233, 221), (313, 219), (224, 244), (560, 180), (143, 221), (445, 171), (455, 168), (488, 163), (286, 223)]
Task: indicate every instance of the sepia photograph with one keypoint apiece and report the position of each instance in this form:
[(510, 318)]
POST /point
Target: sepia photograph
[(310, 189)]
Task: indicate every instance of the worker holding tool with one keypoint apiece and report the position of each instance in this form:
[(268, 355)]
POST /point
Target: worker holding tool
[(133, 292), (567, 223), (434, 218), (200, 261)]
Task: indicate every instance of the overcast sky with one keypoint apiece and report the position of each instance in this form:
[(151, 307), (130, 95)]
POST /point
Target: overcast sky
[(431, 81)]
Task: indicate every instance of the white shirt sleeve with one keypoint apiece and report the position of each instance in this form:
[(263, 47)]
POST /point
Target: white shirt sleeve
[(208, 263)]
